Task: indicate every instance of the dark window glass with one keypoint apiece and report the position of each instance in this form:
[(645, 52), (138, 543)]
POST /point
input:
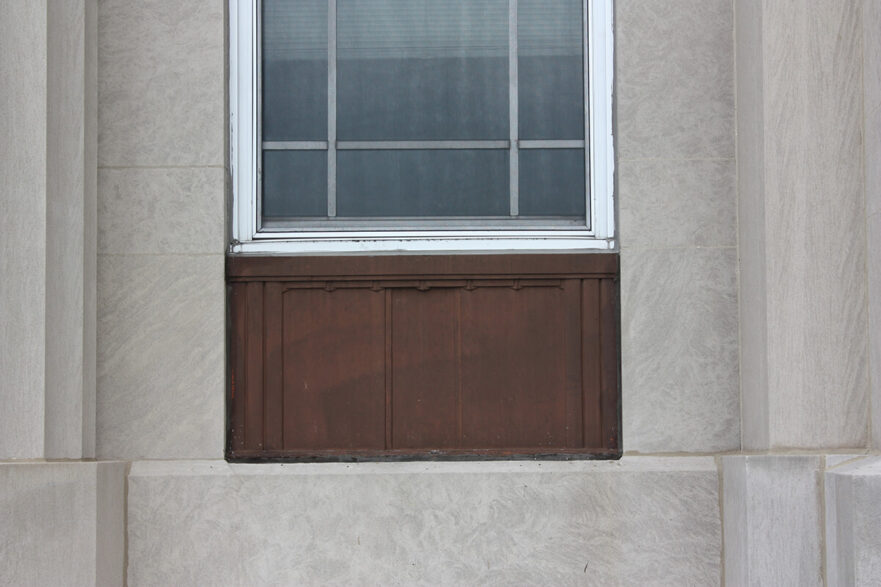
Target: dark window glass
[(422, 69), (294, 67), (406, 110), (294, 183), (423, 183), (552, 182), (551, 71)]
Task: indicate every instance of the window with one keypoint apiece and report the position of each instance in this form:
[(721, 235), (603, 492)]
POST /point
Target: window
[(372, 125), (415, 127)]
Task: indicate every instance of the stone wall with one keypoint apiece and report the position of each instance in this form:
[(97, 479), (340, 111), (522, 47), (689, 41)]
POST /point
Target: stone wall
[(748, 194), (161, 156), (161, 217)]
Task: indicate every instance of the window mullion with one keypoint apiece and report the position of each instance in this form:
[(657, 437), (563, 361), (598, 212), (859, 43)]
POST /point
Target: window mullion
[(331, 107), (513, 109)]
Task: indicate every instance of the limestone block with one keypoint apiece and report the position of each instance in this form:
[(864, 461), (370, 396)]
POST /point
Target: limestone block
[(677, 203), (632, 522), (771, 508), (853, 523), (675, 79), (161, 83), (160, 356), (63, 523), (679, 350), (147, 211)]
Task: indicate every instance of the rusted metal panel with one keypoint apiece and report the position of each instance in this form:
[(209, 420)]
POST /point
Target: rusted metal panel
[(236, 335), (334, 369), (611, 363), (273, 367), (413, 362), (591, 364), (514, 367), (254, 366), (426, 373)]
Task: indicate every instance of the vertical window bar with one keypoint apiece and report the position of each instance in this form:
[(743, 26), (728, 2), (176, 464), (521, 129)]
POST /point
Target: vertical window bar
[(513, 108), (589, 207), (258, 105), (331, 108)]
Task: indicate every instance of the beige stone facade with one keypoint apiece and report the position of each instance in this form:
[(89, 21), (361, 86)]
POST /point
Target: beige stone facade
[(748, 145)]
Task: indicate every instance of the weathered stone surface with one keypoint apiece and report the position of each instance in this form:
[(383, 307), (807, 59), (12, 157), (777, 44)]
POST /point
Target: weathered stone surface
[(853, 523), (63, 523), (800, 126), (637, 521), (675, 79), (161, 83), (771, 506), (679, 350), (160, 356)]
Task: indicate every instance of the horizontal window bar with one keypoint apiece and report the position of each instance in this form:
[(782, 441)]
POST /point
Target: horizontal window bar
[(423, 145), (295, 145), (551, 144), (423, 223), (427, 145)]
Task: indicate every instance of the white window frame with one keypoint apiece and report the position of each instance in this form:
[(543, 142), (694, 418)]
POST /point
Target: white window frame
[(243, 107)]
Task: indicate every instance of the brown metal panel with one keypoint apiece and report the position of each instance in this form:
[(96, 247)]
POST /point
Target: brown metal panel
[(254, 366), (448, 266), (387, 372), (591, 365), (273, 367), (425, 346), (237, 362), (610, 363), (334, 357), (572, 349), (514, 367), (400, 357)]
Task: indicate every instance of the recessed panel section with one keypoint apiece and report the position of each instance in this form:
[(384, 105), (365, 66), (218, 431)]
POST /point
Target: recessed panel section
[(294, 70), (294, 184), (552, 182), (551, 69), (520, 367), (334, 369), (422, 183), (425, 368), (422, 70)]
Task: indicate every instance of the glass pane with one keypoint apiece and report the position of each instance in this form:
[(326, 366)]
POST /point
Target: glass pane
[(294, 62), (552, 182), (422, 69), (422, 183), (550, 69), (294, 183)]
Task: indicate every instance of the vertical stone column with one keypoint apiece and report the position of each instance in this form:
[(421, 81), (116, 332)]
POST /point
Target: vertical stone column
[(23, 94), (802, 234), (48, 172), (803, 252), (872, 108)]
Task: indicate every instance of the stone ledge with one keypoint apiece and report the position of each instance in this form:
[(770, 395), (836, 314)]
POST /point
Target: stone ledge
[(628, 464), (636, 520)]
